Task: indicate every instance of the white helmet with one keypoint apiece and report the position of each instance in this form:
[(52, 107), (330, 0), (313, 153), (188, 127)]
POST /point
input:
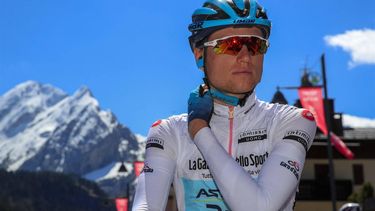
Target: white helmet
[(350, 207)]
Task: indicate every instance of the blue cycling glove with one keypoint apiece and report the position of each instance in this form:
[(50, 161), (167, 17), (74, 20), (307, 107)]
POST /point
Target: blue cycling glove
[(200, 104)]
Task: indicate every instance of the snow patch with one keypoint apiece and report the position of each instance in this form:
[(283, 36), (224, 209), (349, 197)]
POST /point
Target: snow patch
[(111, 171)]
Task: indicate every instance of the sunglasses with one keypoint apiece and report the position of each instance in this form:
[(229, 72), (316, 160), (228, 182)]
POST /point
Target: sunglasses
[(232, 45)]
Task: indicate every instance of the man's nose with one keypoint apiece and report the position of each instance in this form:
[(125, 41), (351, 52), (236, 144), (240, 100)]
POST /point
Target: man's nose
[(244, 55)]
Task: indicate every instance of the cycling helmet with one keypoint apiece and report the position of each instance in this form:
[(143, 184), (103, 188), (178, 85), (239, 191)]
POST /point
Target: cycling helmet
[(218, 14), (351, 207)]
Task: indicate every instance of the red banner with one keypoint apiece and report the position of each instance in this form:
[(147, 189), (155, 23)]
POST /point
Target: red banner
[(341, 147), (311, 99), (138, 166), (122, 204)]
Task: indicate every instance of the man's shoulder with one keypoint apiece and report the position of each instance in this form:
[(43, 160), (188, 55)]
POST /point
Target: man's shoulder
[(170, 124), (288, 116), (277, 109), (284, 112), (179, 120)]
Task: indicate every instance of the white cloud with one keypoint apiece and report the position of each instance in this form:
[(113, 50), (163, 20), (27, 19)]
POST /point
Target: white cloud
[(357, 122), (359, 43)]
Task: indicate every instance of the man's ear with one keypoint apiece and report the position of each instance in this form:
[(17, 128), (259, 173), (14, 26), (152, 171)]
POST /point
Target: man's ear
[(198, 55)]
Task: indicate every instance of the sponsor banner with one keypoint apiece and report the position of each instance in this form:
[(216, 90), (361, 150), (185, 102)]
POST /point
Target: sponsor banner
[(341, 147), (300, 136), (202, 195), (155, 142), (253, 135), (122, 204), (311, 99), (138, 166)]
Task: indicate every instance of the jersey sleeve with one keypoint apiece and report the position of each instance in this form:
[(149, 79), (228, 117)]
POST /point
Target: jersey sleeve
[(296, 126), (279, 176), (160, 162)]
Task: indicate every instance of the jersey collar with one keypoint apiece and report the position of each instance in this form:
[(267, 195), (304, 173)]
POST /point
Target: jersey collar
[(223, 110)]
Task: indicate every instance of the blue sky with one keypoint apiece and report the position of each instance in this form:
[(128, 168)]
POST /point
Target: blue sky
[(135, 57)]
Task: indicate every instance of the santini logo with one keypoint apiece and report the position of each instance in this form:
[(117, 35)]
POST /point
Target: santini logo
[(300, 136), (155, 142)]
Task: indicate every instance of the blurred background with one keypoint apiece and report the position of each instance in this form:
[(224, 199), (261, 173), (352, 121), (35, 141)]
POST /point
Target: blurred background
[(81, 82)]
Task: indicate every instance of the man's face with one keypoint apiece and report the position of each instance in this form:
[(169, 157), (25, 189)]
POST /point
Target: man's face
[(231, 74)]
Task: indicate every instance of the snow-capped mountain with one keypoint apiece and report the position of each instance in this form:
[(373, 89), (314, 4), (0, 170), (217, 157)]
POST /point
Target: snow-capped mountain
[(42, 128)]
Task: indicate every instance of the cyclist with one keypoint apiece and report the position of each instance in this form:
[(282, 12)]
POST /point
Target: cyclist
[(231, 151)]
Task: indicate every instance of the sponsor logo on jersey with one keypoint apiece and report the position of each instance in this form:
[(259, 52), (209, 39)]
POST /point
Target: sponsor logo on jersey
[(252, 160), (147, 169), (207, 193), (300, 136), (198, 164), (308, 115), (253, 135), (202, 195), (156, 123), (207, 176), (155, 142), (254, 173), (292, 166)]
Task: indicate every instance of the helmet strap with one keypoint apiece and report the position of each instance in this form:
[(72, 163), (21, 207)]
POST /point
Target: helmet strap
[(200, 63)]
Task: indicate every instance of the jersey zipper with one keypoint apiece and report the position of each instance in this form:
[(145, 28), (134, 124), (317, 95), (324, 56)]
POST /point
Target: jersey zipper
[(231, 117)]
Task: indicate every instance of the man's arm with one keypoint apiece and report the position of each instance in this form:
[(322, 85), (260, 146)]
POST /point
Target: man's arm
[(280, 174), (154, 184), (273, 187), (155, 181)]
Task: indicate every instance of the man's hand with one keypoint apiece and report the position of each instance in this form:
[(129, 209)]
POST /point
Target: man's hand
[(200, 107)]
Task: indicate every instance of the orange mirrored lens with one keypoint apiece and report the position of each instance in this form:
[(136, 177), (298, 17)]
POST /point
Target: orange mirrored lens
[(233, 45)]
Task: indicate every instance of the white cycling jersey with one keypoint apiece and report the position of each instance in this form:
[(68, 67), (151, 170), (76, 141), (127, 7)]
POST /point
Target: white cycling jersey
[(251, 158)]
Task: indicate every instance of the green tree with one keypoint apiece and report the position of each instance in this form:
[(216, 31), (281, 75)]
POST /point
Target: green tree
[(366, 192)]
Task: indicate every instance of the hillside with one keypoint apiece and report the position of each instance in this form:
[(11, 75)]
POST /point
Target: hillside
[(22, 190)]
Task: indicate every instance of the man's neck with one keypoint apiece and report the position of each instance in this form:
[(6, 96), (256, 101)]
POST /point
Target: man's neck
[(225, 98)]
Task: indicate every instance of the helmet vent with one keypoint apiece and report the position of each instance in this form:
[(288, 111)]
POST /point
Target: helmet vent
[(221, 14), (261, 13), (241, 13)]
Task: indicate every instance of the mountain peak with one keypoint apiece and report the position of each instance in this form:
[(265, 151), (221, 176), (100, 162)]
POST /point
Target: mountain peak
[(30, 89), (84, 90), (20, 106), (84, 96), (28, 84)]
